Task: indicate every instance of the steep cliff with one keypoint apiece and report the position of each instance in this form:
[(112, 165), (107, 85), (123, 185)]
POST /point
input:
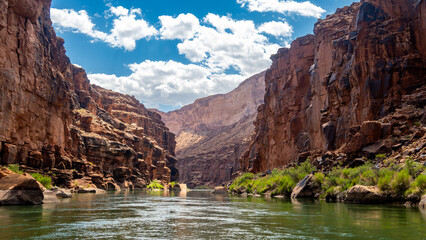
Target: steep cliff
[(361, 64), (214, 132), (52, 120)]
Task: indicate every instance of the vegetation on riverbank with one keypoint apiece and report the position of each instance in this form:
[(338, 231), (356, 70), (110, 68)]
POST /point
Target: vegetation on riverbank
[(397, 180), (46, 181), (155, 184)]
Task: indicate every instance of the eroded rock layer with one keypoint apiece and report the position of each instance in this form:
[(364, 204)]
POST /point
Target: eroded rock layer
[(52, 120), (321, 93), (214, 132)]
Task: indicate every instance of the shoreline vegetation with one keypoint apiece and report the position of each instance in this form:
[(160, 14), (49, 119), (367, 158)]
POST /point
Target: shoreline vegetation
[(396, 182)]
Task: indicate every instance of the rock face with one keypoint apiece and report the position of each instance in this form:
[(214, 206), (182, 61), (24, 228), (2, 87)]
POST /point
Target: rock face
[(54, 121), (214, 132), (326, 90), (364, 194), (17, 189)]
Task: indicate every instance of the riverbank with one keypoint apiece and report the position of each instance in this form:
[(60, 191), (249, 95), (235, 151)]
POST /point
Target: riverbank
[(392, 183)]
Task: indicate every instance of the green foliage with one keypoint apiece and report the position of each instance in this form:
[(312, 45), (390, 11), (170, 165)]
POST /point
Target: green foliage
[(381, 156), (14, 168), (173, 184), (46, 181), (418, 186), (401, 182), (385, 179), (155, 184), (417, 124), (319, 178), (279, 182)]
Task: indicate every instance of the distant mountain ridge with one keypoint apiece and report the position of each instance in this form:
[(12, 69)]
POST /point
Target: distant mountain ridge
[(213, 132)]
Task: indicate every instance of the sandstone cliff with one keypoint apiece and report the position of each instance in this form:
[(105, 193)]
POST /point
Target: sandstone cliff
[(52, 120), (214, 132), (361, 64)]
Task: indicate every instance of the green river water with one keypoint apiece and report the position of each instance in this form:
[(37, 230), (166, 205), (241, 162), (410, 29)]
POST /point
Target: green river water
[(201, 215)]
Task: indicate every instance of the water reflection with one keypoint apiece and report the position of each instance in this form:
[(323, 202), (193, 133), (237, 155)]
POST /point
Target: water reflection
[(202, 215)]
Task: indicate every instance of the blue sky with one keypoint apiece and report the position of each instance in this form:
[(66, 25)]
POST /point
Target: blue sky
[(167, 53)]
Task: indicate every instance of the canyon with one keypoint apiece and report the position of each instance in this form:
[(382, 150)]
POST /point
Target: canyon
[(354, 89), (53, 121), (213, 133)]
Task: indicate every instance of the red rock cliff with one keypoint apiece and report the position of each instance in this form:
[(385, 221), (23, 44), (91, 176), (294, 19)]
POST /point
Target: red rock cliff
[(358, 66), (53, 120), (214, 132)]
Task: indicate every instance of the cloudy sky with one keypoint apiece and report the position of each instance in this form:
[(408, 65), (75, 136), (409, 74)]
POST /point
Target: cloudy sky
[(167, 53)]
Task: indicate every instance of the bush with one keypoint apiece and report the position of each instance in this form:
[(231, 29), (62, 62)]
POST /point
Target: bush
[(46, 181), (385, 179), (381, 156), (401, 182), (155, 184), (418, 186), (14, 168), (173, 184)]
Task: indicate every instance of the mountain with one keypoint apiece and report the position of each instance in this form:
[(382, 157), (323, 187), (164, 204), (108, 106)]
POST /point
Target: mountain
[(53, 121), (356, 87), (213, 132)]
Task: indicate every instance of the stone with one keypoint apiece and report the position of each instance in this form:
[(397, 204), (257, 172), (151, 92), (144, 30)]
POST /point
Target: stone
[(9, 154), (17, 189), (306, 188), (50, 197), (61, 192), (220, 190), (365, 194)]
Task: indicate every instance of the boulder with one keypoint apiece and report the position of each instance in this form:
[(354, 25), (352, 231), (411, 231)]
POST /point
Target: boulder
[(364, 194), (50, 197), (17, 189), (61, 192), (220, 190), (306, 188)]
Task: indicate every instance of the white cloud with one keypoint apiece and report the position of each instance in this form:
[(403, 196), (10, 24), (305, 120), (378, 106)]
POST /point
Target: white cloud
[(306, 8), (183, 26), (278, 29), (169, 83), (127, 29)]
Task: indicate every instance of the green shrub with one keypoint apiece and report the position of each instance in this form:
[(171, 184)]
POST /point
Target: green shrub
[(319, 178), (173, 184), (401, 182), (155, 184), (419, 185), (14, 168), (46, 181), (381, 156), (385, 179), (245, 181)]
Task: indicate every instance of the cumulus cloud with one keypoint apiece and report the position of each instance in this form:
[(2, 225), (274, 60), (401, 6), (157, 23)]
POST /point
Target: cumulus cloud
[(127, 28), (168, 82), (215, 45), (224, 43), (277, 29), (306, 8), (182, 27)]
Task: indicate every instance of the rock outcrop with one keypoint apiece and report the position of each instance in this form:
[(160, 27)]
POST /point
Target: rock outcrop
[(327, 90), (214, 132), (52, 120), (17, 189)]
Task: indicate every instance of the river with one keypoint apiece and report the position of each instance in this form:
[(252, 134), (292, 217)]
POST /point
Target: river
[(201, 215)]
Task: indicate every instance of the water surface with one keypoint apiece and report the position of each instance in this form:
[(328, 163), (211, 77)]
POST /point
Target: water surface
[(201, 215)]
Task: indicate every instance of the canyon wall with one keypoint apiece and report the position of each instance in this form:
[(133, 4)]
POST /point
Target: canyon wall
[(214, 132), (322, 91), (52, 120)]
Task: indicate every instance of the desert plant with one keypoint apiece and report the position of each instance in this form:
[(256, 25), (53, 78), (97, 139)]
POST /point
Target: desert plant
[(14, 168), (155, 184), (46, 181)]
